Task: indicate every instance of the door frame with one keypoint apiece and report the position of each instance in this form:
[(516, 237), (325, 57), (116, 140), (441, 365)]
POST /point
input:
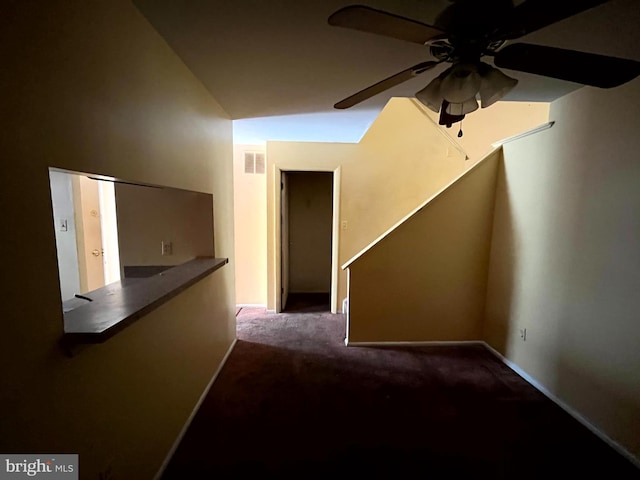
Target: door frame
[(335, 233), (284, 239)]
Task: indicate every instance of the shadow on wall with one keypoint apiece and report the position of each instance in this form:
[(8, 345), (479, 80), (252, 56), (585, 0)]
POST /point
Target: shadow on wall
[(497, 326), (565, 261), (573, 381), (598, 332)]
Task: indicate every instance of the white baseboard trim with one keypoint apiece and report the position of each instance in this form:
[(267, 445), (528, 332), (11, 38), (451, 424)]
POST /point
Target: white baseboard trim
[(413, 344), (251, 305), (528, 378), (174, 447), (542, 389)]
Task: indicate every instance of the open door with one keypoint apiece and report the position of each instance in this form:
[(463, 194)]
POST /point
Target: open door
[(306, 239), (284, 240), (89, 238), (309, 189), (109, 226)]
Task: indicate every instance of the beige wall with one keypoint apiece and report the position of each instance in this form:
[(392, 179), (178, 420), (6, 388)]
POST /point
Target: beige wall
[(250, 223), (426, 279), (91, 87), (400, 162), (565, 260), (497, 122), (149, 216)]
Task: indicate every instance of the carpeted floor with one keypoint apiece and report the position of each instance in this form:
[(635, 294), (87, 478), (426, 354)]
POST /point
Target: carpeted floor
[(293, 402)]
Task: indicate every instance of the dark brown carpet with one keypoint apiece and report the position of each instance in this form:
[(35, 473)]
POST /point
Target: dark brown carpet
[(308, 303), (293, 402)]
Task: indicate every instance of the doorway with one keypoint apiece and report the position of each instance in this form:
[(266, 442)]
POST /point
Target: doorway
[(86, 232), (307, 212)]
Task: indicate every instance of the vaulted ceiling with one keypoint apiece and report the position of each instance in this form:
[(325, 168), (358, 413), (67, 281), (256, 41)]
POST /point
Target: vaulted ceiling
[(264, 58)]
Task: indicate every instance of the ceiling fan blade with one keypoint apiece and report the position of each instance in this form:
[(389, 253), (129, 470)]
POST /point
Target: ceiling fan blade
[(533, 15), (370, 20), (385, 84), (580, 67)]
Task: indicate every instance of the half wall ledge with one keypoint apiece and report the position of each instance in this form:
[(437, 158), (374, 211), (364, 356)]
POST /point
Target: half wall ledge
[(116, 306)]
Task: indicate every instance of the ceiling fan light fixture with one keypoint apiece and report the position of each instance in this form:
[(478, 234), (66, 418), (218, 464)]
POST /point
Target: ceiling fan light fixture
[(494, 85), (468, 106), (430, 96), (446, 119), (461, 84)]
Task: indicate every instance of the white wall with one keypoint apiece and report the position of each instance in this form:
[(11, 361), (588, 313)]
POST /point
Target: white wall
[(66, 248), (565, 260)]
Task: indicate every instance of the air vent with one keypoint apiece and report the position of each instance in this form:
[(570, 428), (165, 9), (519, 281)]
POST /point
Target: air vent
[(260, 163), (254, 162)]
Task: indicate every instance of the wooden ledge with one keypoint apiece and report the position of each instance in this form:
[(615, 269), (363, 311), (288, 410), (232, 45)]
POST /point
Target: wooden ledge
[(117, 305)]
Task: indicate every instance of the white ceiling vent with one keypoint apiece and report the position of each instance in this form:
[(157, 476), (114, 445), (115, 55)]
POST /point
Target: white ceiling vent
[(254, 162)]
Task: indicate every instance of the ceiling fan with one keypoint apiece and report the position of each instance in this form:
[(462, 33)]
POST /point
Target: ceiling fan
[(466, 31)]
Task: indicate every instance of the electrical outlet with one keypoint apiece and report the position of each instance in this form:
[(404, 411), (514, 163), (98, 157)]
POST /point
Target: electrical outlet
[(523, 334), (344, 224), (167, 247)]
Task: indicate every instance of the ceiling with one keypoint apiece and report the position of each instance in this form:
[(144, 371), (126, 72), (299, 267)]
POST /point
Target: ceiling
[(278, 58)]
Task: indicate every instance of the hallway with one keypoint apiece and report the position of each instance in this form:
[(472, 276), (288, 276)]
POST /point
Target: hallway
[(293, 401)]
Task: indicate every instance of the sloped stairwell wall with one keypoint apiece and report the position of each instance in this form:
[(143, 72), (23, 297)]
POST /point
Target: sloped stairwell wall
[(402, 159), (486, 126), (425, 280)]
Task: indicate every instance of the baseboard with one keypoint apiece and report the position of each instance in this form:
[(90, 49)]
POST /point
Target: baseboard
[(413, 344), (542, 389), (251, 305), (194, 411), (528, 378)]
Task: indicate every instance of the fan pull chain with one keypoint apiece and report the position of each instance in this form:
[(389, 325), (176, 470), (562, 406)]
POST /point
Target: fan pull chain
[(460, 131)]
